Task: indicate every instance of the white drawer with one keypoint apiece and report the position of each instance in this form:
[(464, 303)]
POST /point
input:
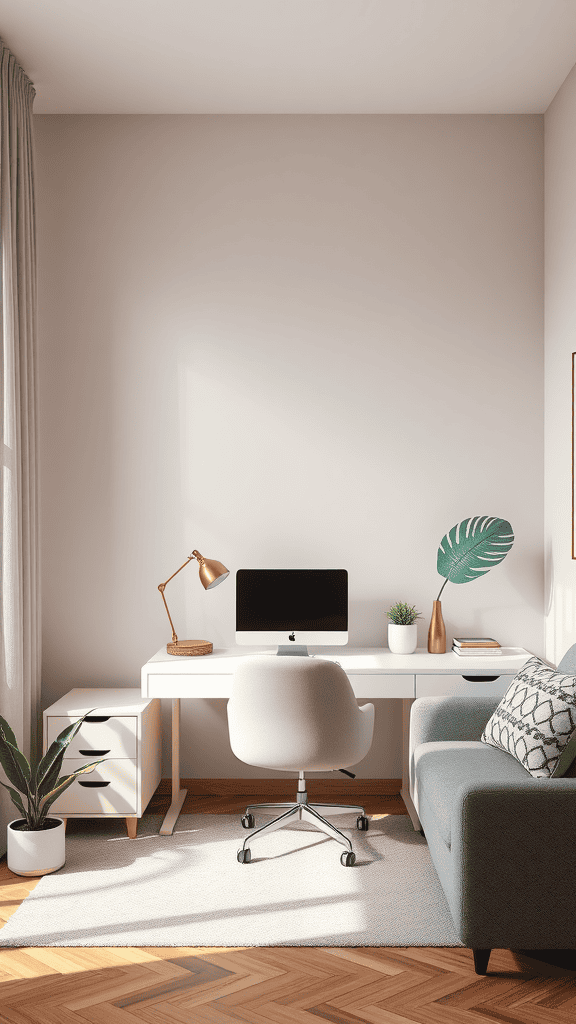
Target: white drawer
[(109, 789), (442, 685), (375, 686), (176, 685), (216, 685), (109, 737)]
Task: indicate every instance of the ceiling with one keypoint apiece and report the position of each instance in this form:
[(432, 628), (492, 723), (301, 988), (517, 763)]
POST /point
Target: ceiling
[(292, 56)]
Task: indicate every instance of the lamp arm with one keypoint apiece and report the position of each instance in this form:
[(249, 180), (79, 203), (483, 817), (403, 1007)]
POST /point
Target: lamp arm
[(162, 586)]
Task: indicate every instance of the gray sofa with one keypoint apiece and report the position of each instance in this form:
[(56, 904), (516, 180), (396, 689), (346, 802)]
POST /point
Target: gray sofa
[(502, 842)]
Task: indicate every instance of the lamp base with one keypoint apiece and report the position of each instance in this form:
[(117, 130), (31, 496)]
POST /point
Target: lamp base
[(189, 648)]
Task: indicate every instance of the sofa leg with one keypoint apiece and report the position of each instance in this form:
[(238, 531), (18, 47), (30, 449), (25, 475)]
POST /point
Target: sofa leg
[(481, 958)]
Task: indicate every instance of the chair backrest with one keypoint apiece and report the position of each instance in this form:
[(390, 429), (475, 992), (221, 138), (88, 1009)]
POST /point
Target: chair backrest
[(568, 663), (296, 713)]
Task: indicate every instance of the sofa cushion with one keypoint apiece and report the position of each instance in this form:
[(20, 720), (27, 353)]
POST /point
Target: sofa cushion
[(442, 767), (536, 720)]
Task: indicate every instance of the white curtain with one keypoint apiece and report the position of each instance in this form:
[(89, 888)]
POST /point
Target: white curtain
[(19, 551)]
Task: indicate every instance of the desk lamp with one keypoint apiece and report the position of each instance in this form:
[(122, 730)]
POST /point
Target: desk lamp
[(211, 574)]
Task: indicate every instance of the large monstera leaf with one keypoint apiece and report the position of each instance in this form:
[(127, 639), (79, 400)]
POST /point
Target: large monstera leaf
[(472, 547)]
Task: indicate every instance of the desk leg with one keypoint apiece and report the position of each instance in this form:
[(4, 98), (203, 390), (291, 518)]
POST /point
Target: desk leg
[(178, 795), (407, 703)]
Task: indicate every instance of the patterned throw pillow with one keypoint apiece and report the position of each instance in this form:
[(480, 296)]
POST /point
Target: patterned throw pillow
[(536, 720)]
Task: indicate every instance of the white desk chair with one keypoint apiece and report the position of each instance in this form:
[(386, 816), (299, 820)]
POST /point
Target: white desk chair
[(292, 713)]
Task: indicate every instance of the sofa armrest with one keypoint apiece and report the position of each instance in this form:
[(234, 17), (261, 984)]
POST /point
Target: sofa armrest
[(455, 717), (514, 861)]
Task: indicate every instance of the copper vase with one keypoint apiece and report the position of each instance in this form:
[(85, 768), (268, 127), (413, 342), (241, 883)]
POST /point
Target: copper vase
[(437, 631)]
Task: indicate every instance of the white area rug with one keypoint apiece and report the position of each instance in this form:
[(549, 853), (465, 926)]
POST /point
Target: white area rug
[(188, 889)]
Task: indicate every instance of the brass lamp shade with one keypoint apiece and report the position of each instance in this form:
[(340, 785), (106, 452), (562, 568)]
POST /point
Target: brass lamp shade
[(211, 573)]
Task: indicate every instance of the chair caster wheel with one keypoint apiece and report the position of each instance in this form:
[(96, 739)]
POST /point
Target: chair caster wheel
[(347, 859), (362, 823), (248, 821), (243, 856)]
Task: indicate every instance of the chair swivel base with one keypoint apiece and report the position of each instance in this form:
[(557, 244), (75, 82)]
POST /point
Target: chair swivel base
[(328, 809), (303, 811)]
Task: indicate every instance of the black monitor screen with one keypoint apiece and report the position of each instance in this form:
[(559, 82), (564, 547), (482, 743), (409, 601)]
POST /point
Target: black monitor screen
[(291, 599)]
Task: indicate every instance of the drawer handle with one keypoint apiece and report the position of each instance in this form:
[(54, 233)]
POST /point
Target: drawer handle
[(97, 718), (97, 753), (480, 679), (92, 785)]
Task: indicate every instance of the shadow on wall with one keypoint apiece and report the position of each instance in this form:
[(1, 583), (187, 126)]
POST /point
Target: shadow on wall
[(368, 623), (559, 611), (528, 577), (548, 579)]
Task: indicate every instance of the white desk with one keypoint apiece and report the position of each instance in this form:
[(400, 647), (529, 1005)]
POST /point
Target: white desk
[(373, 672)]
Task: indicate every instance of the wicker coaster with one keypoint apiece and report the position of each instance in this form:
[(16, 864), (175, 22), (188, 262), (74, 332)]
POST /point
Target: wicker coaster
[(189, 648)]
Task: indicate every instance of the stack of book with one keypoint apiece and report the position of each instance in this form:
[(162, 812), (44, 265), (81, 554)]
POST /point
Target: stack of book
[(473, 646)]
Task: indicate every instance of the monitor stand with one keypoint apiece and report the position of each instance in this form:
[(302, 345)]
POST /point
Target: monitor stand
[(296, 649)]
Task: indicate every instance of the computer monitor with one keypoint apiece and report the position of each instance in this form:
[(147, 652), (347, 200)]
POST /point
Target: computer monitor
[(292, 608)]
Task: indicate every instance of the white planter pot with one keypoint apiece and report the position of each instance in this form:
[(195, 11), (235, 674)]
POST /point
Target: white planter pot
[(36, 853), (402, 639)]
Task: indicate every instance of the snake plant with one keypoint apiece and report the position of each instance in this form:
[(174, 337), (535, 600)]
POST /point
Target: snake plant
[(472, 547), (39, 785)]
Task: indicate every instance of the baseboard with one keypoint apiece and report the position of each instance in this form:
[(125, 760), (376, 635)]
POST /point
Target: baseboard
[(337, 787)]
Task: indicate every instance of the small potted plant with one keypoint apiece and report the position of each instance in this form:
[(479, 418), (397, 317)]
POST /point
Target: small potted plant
[(402, 628), (36, 842)]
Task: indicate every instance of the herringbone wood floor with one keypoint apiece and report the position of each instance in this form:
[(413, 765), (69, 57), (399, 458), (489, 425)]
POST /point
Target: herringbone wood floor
[(114, 985)]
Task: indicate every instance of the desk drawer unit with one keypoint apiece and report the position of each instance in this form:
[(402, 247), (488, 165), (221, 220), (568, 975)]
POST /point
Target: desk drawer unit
[(439, 685), (122, 728)]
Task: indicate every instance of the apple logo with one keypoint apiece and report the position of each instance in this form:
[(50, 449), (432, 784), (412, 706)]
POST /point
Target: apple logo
[(292, 636)]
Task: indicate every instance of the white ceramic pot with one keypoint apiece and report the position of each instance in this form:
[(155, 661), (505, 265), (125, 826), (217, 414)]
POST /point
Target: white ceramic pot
[(36, 853), (402, 639)]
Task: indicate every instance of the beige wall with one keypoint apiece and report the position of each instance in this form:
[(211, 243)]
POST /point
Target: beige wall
[(287, 341), (560, 333)]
